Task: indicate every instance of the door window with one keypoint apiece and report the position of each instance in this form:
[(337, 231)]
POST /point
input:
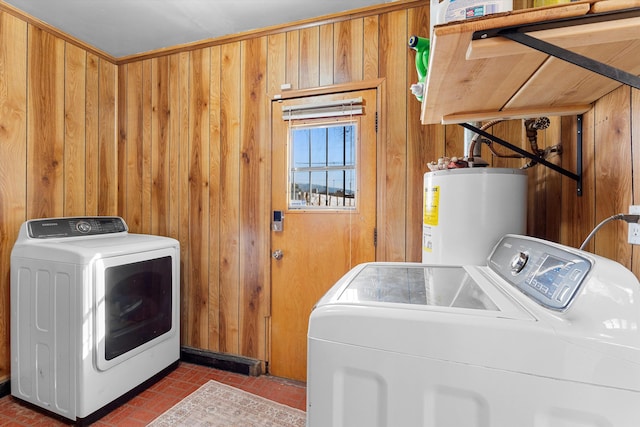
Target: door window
[(322, 166)]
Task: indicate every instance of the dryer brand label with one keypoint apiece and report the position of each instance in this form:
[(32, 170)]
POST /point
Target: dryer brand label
[(431, 203)]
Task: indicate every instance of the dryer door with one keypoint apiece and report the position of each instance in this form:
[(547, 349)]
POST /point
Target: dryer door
[(135, 304)]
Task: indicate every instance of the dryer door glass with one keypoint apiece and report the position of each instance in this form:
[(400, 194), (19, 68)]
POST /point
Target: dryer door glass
[(137, 304)]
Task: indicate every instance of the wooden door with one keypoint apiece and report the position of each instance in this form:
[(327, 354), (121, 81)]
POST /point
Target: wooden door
[(328, 200)]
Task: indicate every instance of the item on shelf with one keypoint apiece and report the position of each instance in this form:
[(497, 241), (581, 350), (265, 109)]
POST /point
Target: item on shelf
[(457, 10), (448, 163), (421, 46)]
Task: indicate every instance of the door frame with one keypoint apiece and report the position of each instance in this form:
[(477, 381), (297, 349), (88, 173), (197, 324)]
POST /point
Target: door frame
[(379, 85)]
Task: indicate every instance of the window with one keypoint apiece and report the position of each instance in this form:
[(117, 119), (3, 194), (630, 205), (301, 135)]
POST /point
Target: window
[(322, 166)]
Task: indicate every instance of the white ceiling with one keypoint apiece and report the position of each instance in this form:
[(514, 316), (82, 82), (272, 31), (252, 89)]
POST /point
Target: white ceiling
[(127, 27)]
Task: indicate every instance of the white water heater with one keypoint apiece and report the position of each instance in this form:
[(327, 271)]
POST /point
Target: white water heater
[(466, 211)]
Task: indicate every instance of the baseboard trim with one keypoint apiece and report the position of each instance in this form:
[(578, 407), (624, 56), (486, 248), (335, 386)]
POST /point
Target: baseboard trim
[(223, 361), (5, 388)]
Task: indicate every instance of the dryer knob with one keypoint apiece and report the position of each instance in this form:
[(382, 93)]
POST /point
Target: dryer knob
[(83, 227), (518, 262)]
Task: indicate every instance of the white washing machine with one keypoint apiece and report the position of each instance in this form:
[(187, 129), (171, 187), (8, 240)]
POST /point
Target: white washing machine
[(543, 335), (95, 313)]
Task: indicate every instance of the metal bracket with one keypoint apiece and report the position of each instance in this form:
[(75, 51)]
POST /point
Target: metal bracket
[(518, 34), (575, 176)]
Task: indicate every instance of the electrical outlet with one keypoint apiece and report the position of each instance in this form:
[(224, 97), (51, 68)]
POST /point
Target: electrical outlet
[(634, 229)]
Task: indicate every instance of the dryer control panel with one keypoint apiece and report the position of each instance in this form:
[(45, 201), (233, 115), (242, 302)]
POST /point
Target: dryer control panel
[(547, 273), (50, 228)]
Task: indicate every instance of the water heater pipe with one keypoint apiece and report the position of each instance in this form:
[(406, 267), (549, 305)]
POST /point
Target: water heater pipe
[(468, 139)]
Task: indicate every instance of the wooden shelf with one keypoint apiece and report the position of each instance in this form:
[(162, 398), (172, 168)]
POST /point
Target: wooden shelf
[(497, 78)]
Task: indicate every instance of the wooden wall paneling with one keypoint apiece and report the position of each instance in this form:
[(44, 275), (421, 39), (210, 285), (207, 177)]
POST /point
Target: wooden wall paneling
[(348, 51), (147, 154), (45, 125), (108, 138), (123, 135), (67, 138), (577, 212), (230, 119), (371, 48), (536, 177), (587, 202), (437, 139), (276, 63), (537, 193), (293, 59), (74, 131), (275, 74), (160, 146), (536, 202), (13, 166), (199, 86), (614, 172), (553, 181), (255, 196), (326, 54), (91, 135), (180, 76), (132, 209), (172, 130), (309, 57), (419, 150), (393, 58), (214, 199), (635, 150), (454, 141), (511, 131)]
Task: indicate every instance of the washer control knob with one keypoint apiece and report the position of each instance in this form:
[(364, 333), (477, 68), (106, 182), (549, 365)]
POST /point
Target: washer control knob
[(83, 227), (518, 262)]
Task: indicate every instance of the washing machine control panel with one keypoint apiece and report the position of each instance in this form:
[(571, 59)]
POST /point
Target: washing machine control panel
[(547, 273), (75, 226)]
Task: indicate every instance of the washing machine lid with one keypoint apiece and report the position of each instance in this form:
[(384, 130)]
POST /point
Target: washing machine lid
[(454, 313), (414, 286), (420, 285)]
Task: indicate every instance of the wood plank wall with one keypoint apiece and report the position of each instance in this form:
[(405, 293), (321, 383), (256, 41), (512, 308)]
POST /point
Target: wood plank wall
[(58, 152), (179, 145), (207, 112)]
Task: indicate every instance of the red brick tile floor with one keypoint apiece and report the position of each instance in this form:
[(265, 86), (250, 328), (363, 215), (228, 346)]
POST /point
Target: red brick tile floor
[(153, 401)]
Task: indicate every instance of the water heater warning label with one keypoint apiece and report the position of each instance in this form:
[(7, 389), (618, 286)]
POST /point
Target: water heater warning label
[(431, 203)]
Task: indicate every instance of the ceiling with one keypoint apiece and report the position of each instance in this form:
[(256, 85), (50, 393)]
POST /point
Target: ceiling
[(123, 28)]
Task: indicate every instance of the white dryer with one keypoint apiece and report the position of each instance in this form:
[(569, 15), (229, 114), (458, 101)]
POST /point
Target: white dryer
[(543, 335), (95, 313)]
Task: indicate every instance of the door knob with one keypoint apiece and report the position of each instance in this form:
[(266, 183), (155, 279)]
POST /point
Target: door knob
[(277, 254)]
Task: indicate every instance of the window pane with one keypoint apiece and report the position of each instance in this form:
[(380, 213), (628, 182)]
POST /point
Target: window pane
[(318, 189), (319, 147), (341, 188), (322, 170), (300, 148), (341, 146)]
